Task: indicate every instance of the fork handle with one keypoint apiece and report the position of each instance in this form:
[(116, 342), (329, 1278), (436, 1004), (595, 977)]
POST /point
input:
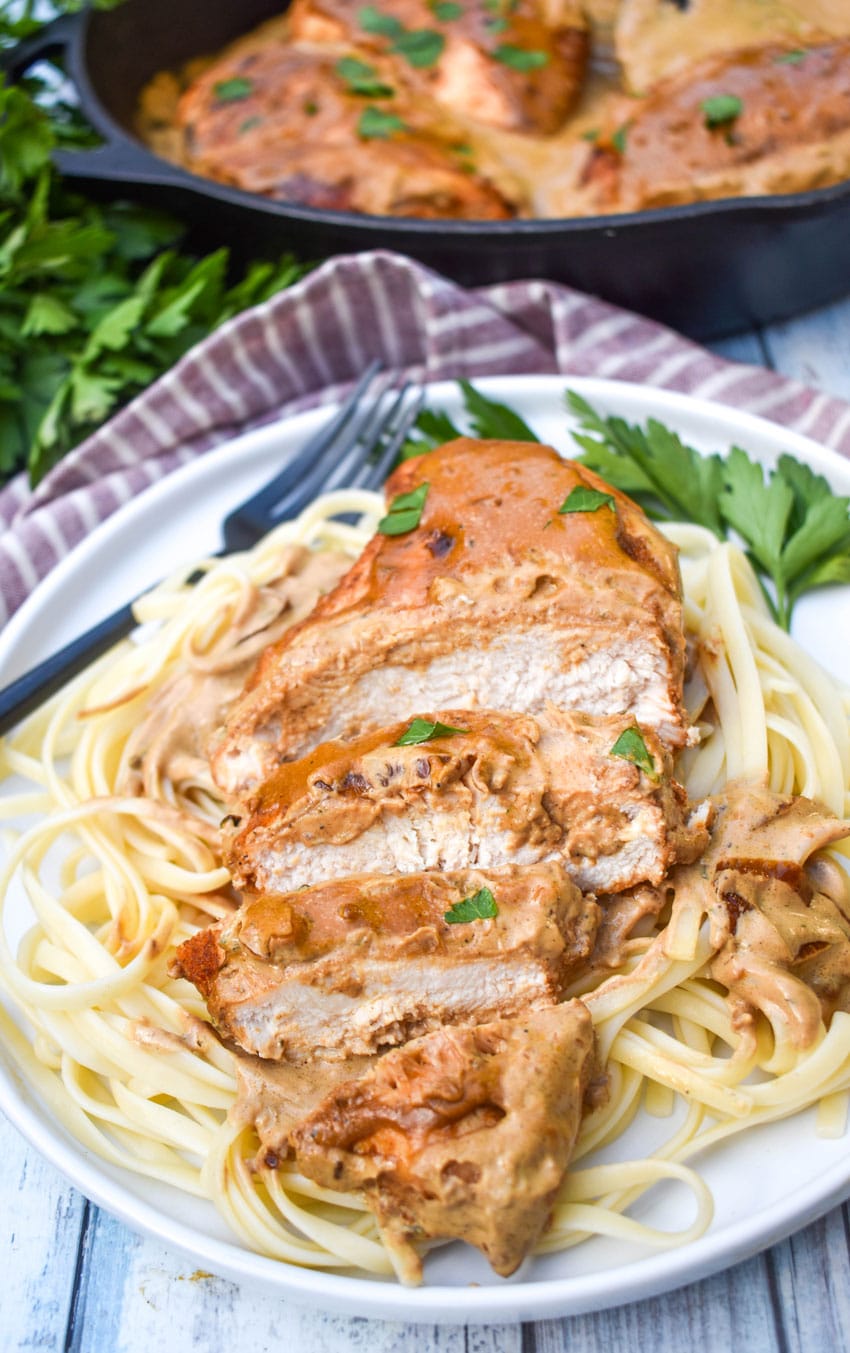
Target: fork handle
[(21, 697)]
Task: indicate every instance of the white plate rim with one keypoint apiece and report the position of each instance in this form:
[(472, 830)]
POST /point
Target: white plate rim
[(515, 1299)]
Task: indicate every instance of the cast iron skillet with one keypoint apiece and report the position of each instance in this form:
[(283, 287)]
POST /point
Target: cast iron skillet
[(707, 268)]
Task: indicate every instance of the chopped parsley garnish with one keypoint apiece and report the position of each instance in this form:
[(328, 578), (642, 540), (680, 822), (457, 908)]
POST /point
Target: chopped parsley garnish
[(420, 46), (791, 58), (405, 512), (795, 529), (232, 91), (592, 134), (362, 78), (375, 124), (581, 499), (423, 730), (630, 746), (249, 124), (480, 907), (520, 58), (618, 140), (721, 108), (445, 10), (373, 20)]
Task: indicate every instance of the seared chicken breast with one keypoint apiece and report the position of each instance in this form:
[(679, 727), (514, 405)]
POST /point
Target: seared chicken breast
[(501, 790), (769, 119), (656, 39), (465, 1133), (352, 968), (496, 599), (290, 123), (516, 65)]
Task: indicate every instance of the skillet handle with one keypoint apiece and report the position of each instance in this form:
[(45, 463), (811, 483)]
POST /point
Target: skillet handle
[(121, 158), (55, 36)]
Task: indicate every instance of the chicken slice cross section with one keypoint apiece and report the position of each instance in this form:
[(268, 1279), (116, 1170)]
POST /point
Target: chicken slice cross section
[(351, 968), (497, 791), (496, 599)]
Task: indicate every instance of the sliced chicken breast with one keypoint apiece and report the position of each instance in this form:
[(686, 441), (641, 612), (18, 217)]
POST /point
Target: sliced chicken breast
[(352, 968), (496, 599), (466, 1134), (500, 790)]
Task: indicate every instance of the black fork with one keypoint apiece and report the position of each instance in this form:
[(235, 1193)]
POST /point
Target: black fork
[(355, 449)]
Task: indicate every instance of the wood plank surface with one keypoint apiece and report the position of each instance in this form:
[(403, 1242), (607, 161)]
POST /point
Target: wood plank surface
[(81, 1282)]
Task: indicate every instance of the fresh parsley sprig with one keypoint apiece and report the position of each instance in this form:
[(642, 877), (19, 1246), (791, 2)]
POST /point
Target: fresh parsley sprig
[(795, 529), (95, 302)]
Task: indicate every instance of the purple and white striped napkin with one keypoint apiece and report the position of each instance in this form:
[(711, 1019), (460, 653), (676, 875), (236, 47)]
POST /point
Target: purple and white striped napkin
[(305, 347)]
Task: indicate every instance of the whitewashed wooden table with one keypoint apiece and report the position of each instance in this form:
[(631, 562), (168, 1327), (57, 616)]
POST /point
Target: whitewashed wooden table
[(77, 1281)]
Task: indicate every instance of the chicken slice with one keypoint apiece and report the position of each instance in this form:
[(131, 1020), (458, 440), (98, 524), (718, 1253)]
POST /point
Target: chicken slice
[(289, 123), (351, 968), (513, 64), (501, 790), (496, 599), (464, 1134), (758, 121)]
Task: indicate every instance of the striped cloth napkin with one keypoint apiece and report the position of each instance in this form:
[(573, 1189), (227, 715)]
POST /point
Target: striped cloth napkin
[(308, 344)]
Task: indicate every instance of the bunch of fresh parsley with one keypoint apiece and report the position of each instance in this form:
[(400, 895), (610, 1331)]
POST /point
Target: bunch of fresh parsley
[(796, 531), (95, 301)]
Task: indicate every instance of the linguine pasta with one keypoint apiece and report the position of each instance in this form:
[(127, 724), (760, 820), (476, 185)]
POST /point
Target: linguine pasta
[(116, 862)]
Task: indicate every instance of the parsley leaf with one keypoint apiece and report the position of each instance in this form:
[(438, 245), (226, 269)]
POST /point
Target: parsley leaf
[(480, 907), (670, 480), (362, 78), (405, 512), (422, 730), (492, 420), (630, 746), (233, 91), (434, 429), (581, 499), (520, 58), (420, 46), (374, 20), (791, 58), (375, 124), (795, 529), (721, 108), (445, 10)]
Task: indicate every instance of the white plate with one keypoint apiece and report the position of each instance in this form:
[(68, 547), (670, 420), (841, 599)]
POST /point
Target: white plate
[(765, 1185)]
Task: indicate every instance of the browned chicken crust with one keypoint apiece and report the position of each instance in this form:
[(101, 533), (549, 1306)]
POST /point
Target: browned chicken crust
[(471, 76), (465, 1134), (791, 131), (496, 599), (357, 966), (503, 790), (299, 133)]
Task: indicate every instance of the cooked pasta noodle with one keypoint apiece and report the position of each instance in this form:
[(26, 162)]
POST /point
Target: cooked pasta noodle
[(114, 877)]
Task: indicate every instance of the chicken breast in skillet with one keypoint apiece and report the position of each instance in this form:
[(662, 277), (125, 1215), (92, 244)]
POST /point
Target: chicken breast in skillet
[(514, 64), (769, 119), (300, 125), (354, 967), (465, 1133), (501, 790), (497, 599)]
